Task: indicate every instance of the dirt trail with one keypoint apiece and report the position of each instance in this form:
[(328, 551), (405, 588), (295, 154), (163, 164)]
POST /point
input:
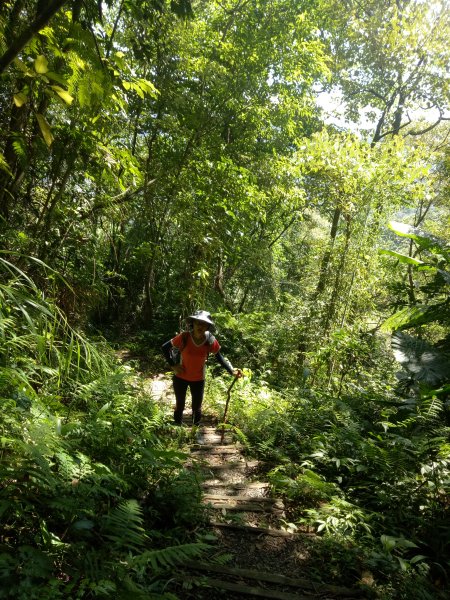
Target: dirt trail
[(266, 560)]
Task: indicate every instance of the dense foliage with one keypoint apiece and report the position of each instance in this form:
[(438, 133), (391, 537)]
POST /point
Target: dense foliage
[(158, 157)]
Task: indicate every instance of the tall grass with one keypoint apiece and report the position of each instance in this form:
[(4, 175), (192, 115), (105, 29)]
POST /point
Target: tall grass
[(85, 470)]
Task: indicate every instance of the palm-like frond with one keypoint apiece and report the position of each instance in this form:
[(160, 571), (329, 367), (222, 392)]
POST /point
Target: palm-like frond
[(422, 238), (36, 337), (413, 316), (422, 361)]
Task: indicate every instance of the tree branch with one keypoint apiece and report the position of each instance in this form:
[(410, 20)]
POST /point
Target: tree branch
[(20, 42), (285, 228), (430, 127), (126, 195)]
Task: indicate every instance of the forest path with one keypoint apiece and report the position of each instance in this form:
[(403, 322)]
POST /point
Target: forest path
[(265, 559)]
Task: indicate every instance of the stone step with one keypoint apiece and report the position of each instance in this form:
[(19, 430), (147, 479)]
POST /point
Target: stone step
[(262, 530), (208, 450), (237, 486), (235, 464), (224, 499)]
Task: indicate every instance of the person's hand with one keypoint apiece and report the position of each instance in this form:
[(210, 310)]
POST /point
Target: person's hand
[(237, 373), (177, 369)]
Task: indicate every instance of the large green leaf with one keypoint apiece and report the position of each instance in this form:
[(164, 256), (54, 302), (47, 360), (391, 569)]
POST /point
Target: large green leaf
[(413, 316), (45, 129), (63, 94), (422, 238), (403, 258), (420, 359), (41, 64)]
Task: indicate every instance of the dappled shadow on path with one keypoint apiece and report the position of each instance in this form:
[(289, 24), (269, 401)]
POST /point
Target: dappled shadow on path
[(254, 554)]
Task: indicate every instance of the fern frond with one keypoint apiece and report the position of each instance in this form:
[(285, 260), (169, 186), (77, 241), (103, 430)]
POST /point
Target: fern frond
[(170, 557), (20, 149), (4, 165), (431, 408), (123, 526)]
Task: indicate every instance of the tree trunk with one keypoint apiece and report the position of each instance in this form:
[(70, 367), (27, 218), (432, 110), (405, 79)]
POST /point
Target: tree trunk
[(332, 306), (324, 267), (9, 184)]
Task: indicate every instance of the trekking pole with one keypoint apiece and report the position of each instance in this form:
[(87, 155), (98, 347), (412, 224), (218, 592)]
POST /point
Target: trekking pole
[(226, 408)]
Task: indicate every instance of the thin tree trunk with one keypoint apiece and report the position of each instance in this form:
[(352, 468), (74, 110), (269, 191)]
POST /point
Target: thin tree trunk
[(50, 208), (324, 267), (332, 306)]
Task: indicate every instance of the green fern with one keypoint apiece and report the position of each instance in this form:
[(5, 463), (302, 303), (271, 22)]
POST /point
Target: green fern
[(4, 165), (170, 557), (20, 149), (123, 526), (431, 408)]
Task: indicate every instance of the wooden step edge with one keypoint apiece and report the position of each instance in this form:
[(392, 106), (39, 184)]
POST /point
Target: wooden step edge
[(263, 485), (215, 452), (262, 530), (232, 464), (276, 578), (226, 447), (252, 590), (241, 498), (211, 429), (248, 508)]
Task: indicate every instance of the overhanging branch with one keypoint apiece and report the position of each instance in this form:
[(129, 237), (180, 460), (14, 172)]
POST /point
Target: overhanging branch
[(20, 42)]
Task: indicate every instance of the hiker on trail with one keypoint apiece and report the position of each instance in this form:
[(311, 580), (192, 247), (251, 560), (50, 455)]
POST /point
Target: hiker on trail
[(186, 354)]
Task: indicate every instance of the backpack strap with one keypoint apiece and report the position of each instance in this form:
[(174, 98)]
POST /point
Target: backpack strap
[(210, 339), (184, 340)]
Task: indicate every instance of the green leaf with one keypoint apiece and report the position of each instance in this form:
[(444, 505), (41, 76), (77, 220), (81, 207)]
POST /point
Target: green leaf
[(388, 542), (45, 129), (147, 87), (4, 165), (41, 64), (417, 558), (21, 65), (403, 258), (68, 99), (420, 359), (426, 240), (20, 99), (412, 316), (55, 77)]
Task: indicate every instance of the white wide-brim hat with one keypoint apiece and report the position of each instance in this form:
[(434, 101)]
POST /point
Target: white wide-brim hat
[(201, 315)]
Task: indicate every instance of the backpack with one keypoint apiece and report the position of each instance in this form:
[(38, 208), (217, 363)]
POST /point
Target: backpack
[(175, 353)]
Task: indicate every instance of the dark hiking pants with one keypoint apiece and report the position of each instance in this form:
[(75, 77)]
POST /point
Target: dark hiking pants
[(180, 387)]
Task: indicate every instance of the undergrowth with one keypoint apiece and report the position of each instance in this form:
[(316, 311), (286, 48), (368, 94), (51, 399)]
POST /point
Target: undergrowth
[(369, 473), (94, 497), (95, 500)]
